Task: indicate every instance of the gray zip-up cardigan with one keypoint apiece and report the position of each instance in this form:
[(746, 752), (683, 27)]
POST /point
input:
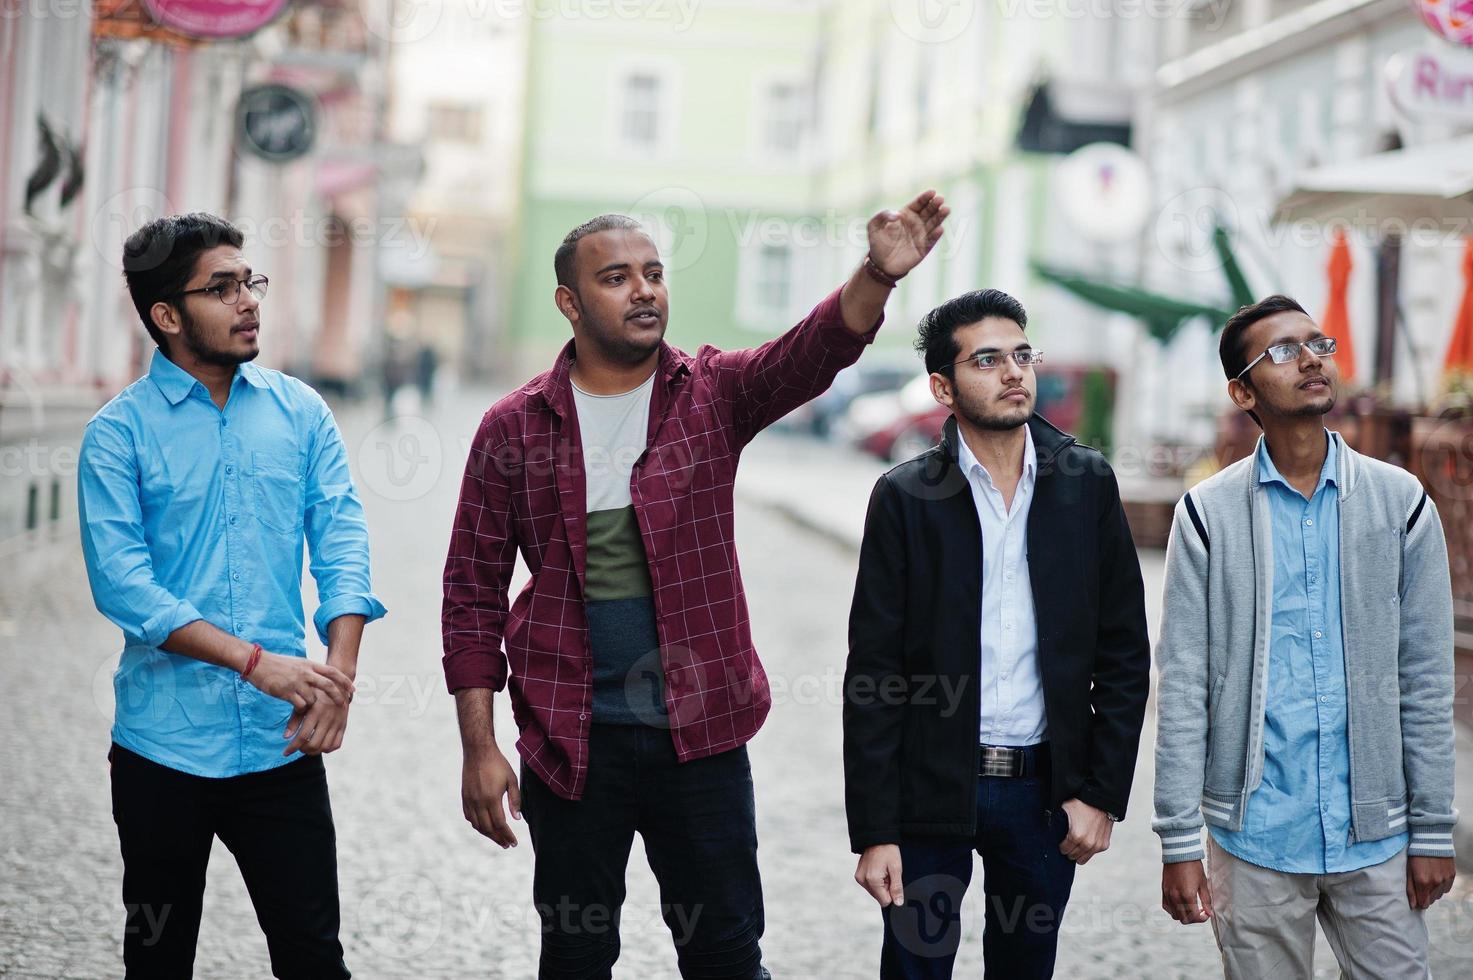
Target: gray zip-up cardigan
[(1397, 621)]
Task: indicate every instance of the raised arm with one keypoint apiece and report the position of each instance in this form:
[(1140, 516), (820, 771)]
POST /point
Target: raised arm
[(765, 383)]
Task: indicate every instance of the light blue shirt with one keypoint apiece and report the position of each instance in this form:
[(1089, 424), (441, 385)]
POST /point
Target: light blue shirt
[(191, 512), (1298, 819), (1012, 711)]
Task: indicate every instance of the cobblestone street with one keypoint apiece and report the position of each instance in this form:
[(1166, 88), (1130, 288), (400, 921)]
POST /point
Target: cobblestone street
[(423, 896)]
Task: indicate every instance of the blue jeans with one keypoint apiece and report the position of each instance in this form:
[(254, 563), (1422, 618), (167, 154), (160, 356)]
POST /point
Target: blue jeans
[(1026, 882), (698, 822)]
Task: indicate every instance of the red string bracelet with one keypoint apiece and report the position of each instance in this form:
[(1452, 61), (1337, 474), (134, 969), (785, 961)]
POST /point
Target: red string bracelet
[(251, 663)]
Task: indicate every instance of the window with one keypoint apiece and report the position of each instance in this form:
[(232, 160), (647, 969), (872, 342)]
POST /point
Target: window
[(641, 125), (455, 122), (787, 106), (773, 284)]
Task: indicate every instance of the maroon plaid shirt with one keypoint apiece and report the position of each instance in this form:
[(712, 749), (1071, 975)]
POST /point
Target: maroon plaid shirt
[(524, 489)]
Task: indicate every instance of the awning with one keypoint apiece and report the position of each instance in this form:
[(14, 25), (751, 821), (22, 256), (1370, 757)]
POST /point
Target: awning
[(1387, 192)]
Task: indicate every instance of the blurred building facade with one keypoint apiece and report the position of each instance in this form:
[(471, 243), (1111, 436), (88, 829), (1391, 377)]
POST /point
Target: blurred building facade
[(1247, 100), (755, 139), (458, 93), (108, 120)]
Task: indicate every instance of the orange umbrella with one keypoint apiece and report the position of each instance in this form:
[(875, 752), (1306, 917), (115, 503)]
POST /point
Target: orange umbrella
[(1460, 350), (1336, 321)]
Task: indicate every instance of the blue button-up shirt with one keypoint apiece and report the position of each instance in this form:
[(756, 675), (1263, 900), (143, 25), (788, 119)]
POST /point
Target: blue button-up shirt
[(1298, 820), (192, 512)]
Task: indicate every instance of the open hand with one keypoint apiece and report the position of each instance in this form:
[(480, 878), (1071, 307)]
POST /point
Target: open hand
[(898, 240)]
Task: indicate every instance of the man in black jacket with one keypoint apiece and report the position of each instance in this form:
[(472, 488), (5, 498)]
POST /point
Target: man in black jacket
[(998, 661)]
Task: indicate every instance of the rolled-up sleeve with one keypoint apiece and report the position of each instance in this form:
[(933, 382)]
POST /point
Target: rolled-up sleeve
[(119, 565), (337, 531)]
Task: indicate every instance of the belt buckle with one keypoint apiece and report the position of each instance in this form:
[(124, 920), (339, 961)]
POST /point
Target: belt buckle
[(998, 761)]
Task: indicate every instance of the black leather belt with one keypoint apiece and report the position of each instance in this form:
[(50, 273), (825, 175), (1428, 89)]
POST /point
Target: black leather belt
[(999, 760)]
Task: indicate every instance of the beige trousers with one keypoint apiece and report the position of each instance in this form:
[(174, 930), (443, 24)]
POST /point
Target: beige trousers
[(1264, 920)]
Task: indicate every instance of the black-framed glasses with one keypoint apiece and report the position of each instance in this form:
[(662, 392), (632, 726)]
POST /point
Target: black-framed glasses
[(228, 290), (988, 360), (1284, 353)]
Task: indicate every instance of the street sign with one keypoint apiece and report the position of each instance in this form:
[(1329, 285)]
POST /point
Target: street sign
[(1432, 84), (212, 19), (276, 122)]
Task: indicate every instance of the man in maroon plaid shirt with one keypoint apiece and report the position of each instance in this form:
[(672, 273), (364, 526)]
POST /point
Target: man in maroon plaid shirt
[(629, 656)]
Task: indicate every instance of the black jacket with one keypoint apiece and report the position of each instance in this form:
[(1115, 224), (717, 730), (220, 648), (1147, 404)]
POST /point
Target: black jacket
[(910, 764)]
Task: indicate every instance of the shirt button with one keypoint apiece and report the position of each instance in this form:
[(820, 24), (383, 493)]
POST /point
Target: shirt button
[(232, 518), (239, 628), (1309, 522), (582, 716), (235, 576), (1324, 699), (1318, 635), (230, 471)]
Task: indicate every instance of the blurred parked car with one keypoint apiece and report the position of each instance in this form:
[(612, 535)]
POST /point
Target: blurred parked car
[(873, 373), (899, 425)]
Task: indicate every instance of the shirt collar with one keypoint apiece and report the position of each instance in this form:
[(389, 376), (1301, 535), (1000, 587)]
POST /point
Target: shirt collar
[(1269, 473), (969, 462), (176, 383)]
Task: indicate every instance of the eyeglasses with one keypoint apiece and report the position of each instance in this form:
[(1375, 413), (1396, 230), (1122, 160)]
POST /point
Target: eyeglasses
[(1284, 353), (228, 290), (987, 360)]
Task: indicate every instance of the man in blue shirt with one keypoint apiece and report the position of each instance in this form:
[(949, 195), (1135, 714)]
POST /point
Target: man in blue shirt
[(198, 486)]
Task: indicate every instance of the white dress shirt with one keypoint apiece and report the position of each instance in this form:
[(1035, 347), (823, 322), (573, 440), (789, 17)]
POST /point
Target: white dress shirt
[(1012, 691)]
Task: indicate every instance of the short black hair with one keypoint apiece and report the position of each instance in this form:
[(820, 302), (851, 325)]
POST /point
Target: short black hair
[(1230, 346), (937, 340), (159, 258), (562, 259)]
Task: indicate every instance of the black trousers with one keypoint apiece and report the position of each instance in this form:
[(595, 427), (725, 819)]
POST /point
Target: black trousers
[(698, 821), (277, 823)]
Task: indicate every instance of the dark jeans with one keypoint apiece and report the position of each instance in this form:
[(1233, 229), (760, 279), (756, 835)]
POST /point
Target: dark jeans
[(697, 820), (1026, 882), (277, 823)]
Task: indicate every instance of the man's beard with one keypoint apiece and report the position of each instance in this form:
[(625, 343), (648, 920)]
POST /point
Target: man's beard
[(1304, 411), (974, 414), (195, 342), (613, 345)]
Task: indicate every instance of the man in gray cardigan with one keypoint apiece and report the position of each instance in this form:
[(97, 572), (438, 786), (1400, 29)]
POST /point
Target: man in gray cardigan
[(1306, 680)]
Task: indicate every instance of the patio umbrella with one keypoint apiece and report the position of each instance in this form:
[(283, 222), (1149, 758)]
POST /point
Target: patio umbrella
[(1460, 351), (1336, 321)]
